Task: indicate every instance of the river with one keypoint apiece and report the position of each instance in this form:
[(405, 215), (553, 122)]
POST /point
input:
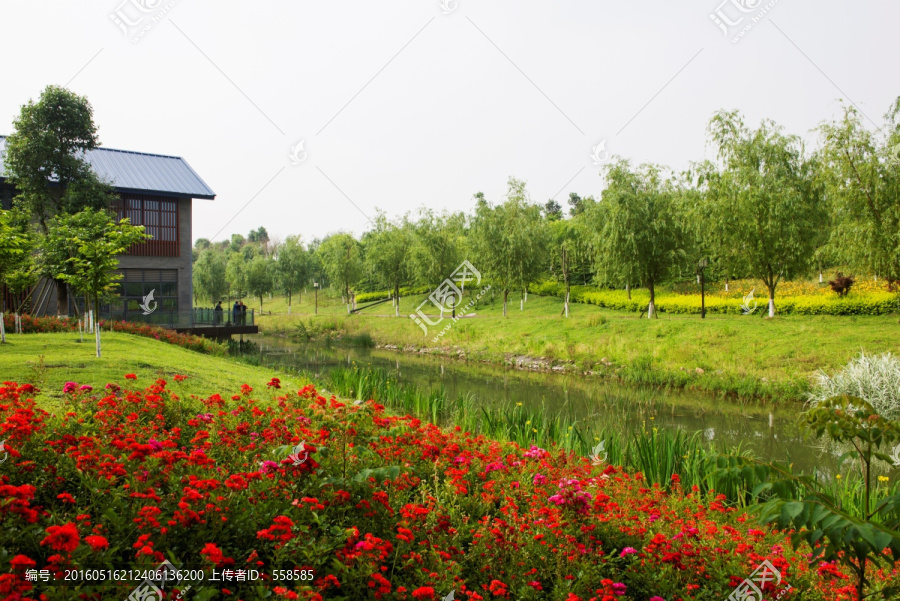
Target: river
[(773, 434)]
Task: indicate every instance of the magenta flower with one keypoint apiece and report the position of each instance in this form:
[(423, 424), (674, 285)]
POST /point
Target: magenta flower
[(619, 588), (157, 446), (627, 551), (86, 387), (539, 479), (69, 387), (267, 466), (656, 598)]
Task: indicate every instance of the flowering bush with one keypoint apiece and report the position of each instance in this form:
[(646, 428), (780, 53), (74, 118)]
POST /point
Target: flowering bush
[(375, 505), (43, 325)]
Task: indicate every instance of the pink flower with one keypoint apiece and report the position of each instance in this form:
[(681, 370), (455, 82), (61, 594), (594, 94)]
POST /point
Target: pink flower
[(619, 588), (656, 598), (69, 387), (627, 551), (539, 479), (157, 446), (86, 388), (267, 466)]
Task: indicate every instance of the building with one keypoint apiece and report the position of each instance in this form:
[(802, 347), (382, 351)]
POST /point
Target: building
[(156, 191)]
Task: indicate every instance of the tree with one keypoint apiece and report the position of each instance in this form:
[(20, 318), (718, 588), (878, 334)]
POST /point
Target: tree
[(292, 267), (260, 280), (387, 253), (510, 240), (45, 162), (438, 246), (641, 240), (553, 210), (341, 256), (82, 250), (210, 282), (862, 179), (13, 248), (575, 206), (236, 274), (569, 252), (764, 201)]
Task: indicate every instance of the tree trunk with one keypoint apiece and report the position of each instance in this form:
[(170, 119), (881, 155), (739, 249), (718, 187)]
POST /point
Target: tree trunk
[(726, 284), (2, 329), (97, 312), (505, 295), (651, 308), (566, 305), (771, 301), (628, 290), (820, 277), (397, 300), (62, 299), (289, 303)]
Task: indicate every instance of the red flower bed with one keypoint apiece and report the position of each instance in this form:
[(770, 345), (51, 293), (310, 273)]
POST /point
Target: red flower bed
[(42, 325), (332, 500)]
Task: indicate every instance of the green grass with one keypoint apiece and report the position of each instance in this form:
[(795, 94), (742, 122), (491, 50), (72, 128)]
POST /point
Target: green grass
[(747, 356), (67, 359)]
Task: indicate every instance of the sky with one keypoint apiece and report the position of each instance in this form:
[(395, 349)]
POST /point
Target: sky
[(307, 117)]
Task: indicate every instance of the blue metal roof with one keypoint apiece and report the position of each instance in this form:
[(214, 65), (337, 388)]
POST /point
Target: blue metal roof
[(140, 172)]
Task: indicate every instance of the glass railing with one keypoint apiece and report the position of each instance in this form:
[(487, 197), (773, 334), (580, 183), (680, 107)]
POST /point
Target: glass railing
[(225, 317)]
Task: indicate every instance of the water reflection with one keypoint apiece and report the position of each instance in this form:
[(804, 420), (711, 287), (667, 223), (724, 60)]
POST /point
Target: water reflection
[(773, 434)]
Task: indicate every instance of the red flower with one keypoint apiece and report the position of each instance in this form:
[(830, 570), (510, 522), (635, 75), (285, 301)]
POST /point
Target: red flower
[(22, 562), (62, 538), (97, 543), (212, 552), (180, 378), (423, 592), (130, 377)]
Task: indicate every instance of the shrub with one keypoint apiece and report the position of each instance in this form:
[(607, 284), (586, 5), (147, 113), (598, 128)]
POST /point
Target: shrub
[(873, 378), (841, 284)]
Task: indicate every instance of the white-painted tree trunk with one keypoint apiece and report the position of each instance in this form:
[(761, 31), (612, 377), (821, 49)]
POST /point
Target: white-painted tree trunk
[(698, 278), (628, 290), (651, 310), (98, 340), (526, 296), (771, 307), (397, 310), (2, 330), (820, 277), (567, 304), (726, 285), (80, 331), (289, 309), (521, 304)]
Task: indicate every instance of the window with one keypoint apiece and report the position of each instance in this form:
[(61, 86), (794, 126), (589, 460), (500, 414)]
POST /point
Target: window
[(6, 195), (159, 216), (136, 285)]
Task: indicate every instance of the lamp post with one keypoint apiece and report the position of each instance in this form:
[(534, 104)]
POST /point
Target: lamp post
[(701, 265), (316, 287)]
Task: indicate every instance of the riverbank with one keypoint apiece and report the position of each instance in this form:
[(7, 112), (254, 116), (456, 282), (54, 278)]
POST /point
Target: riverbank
[(361, 498), (746, 357)]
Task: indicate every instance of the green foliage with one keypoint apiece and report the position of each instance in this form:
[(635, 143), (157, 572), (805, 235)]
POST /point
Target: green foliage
[(236, 274), (260, 277), (342, 261), (510, 240), (44, 156), (208, 275), (292, 266), (856, 539), (764, 203), (863, 182), (387, 251), (640, 238)]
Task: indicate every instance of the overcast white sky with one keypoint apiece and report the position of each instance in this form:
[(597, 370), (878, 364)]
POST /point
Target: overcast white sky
[(400, 105)]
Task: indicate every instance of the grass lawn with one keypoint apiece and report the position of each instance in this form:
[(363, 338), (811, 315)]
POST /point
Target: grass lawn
[(745, 355), (65, 359)]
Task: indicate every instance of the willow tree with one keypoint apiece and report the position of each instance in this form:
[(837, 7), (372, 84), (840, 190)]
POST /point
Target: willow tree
[(861, 172), (387, 252), (292, 267), (641, 239), (763, 200), (342, 261), (13, 248), (510, 240)]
